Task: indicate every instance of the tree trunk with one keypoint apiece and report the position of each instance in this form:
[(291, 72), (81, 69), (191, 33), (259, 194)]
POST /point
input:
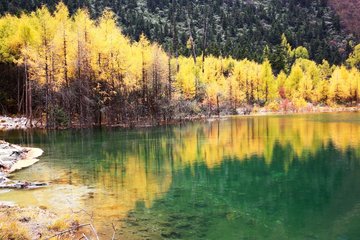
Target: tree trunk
[(26, 89), (30, 104), (204, 40), (169, 79), (47, 90), (65, 60), (143, 80), (218, 105)]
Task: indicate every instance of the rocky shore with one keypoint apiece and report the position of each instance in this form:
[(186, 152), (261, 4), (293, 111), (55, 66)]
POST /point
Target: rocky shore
[(25, 223), (13, 158), (13, 123), (9, 123)]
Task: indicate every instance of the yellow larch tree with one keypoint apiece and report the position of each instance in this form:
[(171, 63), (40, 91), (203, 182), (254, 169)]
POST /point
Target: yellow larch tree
[(64, 49), (268, 84), (186, 77), (339, 89)]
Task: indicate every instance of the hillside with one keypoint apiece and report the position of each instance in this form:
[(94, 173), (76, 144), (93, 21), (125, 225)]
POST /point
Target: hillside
[(237, 28), (349, 12)]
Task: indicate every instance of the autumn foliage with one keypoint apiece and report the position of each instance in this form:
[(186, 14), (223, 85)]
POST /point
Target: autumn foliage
[(78, 70)]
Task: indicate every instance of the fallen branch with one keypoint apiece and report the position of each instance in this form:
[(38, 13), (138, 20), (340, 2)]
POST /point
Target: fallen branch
[(81, 210), (68, 230), (84, 236), (113, 227)]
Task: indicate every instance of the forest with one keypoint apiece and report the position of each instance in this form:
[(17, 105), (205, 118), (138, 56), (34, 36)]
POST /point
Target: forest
[(65, 70), (237, 28)]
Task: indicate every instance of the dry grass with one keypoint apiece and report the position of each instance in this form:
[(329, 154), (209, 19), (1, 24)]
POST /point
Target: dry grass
[(34, 223), (11, 230), (63, 223)]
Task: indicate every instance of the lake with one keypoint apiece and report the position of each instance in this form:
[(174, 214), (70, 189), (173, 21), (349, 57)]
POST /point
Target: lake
[(266, 177)]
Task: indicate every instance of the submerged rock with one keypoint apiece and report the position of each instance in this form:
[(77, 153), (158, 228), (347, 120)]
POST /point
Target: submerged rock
[(21, 185)]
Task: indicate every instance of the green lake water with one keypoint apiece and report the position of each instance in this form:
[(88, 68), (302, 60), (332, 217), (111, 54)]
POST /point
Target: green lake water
[(267, 177)]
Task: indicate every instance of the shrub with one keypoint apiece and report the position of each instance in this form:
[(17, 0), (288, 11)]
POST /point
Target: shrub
[(61, 224), (273, 106), (299, 103)]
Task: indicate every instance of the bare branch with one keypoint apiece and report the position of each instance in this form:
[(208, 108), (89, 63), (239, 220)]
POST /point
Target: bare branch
[(68, 230), (113, 227), (84, 236), (94, 231)]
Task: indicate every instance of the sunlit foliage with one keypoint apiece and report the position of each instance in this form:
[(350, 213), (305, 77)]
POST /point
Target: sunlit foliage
[(87, 71)]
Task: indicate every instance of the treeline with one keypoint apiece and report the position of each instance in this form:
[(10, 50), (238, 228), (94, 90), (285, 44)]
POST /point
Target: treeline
[(236, 28), (76, 70)]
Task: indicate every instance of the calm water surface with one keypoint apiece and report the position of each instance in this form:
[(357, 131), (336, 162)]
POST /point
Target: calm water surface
[(276, 177)]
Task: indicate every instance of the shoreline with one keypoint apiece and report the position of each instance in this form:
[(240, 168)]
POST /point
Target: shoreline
[(40, 223), (148, 123), (32, 222), (14, 158), (202, 118), (290, 113)]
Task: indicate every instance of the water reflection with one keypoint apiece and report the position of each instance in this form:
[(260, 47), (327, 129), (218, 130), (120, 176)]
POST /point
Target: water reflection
[(273, 177)]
